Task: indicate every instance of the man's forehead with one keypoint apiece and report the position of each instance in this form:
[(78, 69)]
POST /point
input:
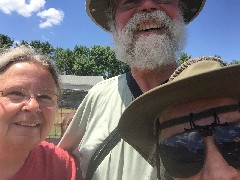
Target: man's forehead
[(226, 112), (195, 106)]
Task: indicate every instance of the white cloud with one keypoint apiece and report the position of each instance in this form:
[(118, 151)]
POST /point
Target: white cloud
[(21, 6), (52, 17), (26, 8)]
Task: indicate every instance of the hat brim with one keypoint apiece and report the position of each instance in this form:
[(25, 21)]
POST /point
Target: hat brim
[(96, 10), (137, 122)]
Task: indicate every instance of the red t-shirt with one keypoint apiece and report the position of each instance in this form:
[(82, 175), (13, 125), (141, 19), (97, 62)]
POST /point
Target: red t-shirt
[(47, 162)]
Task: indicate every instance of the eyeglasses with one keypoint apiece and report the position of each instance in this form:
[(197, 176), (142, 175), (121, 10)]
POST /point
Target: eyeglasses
[(15, 95), (129, 4), (183, 154)]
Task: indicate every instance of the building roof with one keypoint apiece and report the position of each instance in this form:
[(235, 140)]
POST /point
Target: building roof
[(80, 83)]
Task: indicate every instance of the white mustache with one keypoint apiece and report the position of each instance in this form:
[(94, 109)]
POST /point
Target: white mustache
[(159, 17)]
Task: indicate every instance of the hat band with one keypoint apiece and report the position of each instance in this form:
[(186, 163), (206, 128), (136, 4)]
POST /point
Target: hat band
[(199, 116)]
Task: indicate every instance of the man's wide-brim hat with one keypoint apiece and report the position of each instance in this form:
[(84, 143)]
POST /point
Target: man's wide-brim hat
[(205, 77), (96, 10)]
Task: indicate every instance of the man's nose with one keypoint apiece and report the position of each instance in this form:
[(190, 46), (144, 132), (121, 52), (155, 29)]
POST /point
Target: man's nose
[(215, 167)]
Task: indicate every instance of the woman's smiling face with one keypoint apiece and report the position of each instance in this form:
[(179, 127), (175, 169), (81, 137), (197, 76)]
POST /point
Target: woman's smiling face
[(28, 123)]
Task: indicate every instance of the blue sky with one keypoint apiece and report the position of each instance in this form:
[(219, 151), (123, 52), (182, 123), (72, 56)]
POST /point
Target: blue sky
[(216, 31)]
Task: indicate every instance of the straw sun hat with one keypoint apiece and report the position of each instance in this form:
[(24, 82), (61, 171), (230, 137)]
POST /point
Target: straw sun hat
[(206, 77), (96, 10)]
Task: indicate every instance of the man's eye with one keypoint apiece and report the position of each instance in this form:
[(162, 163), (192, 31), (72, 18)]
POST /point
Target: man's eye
[(166, 1), (127, 3)]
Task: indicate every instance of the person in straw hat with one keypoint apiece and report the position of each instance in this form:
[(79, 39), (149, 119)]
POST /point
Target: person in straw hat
[(149, 36), (189, 127)]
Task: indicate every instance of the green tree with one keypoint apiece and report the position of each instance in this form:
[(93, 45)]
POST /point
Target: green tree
[(217, 56), (235, 62), (23, 42), (183, 58), (5, 41), (106, 61), (64, 60), (43, 47), (84, 61), (83, 65)]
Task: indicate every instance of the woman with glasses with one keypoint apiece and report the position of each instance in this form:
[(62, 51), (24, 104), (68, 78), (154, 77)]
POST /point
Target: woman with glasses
[(189, 127), (29, 96)]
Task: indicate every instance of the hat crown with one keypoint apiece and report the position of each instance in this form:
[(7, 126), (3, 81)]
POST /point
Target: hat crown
[(196, 66), (201, 78)]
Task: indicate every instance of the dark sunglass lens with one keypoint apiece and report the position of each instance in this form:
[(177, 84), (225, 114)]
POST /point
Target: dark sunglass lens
[(182, 155), (228, 142), (231, 153)]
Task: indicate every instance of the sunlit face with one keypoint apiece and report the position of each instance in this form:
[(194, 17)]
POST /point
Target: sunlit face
[(150, 35), (123, 16), (26, 124), (215, 166)]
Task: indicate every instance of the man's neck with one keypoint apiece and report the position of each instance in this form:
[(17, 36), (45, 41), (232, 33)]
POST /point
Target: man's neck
[(149, 79)]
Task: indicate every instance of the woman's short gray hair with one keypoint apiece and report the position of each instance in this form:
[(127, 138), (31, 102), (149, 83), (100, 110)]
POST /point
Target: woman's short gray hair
[(26, 53)]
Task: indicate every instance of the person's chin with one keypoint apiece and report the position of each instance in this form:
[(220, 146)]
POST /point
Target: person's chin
[(25, 135)]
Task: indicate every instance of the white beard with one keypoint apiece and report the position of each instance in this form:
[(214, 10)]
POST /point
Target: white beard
[(149, 52)]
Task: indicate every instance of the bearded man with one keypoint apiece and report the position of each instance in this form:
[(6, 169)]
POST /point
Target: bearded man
[(149, 36)]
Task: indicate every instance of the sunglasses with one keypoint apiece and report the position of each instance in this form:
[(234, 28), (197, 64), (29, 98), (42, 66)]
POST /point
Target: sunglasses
[(130, 4), (183, 155)]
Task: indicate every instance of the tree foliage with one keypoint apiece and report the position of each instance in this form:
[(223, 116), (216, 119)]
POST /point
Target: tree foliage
[(64, 60), (235, 61), (183, 58), (105, 61), (82, 60), (43, 47), (5, 41)]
